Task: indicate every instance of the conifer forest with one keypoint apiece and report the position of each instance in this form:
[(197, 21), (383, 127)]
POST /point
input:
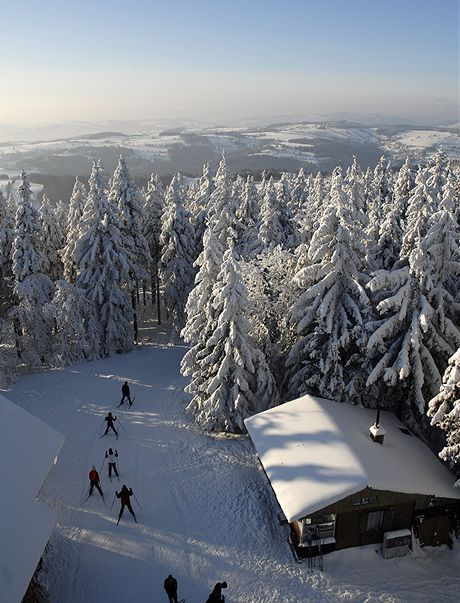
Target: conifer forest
[(343, 285)]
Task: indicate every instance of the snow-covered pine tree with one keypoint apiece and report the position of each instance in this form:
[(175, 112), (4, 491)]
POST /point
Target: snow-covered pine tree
[(201, 317), (200, 208), (124, 195), (331, 312), (271, 231), (176, 262), (103, 268), (436, 176), (247, 214), (75, 335), (410, 345), (32, 287), (268, 279), (404, 184), (285, 214), (236, 381), (76, 207), (300, 192), (419, 208), (6, 250), (444, 410), (51, 235), (154, 208)]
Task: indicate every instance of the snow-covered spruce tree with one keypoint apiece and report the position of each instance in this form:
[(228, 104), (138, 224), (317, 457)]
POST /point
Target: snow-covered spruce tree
[(331, 312), (300, 191), (32, 287), (51, 238), (285, 213), (308, 215), (76, 207), (437, 171), (404, 183), (419, 208), (154, 208), (247, 214), (268, 279), (271, 231), (103, 268), (410, 344), (378, 195), (444, 410), (176, 262), (201, 315), (235, 379), (75, 334), (200, 208), (6, 250), (443, 253), (124, 195)]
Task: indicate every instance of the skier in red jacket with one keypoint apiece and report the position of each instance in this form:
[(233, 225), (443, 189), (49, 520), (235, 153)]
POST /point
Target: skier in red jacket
[(94, 482)]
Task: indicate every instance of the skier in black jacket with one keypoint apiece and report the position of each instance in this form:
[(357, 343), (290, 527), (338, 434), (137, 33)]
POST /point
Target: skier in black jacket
[(124, 496), (170, 585), (216, 596), (110, 419), (125, 394)]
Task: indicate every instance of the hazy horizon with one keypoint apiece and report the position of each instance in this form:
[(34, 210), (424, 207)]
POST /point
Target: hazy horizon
[(220, 63)]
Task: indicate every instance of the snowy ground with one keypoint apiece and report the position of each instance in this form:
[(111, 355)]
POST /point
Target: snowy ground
[(207, 512)]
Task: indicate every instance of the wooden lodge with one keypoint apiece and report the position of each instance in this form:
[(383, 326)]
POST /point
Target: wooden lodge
[(342, 479)]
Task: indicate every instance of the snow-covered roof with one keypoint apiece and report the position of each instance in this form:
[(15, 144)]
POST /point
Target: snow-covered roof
[(28, 448), (316, 452)]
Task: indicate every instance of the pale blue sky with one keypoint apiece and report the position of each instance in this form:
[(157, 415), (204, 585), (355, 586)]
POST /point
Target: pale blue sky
[(226, 59)]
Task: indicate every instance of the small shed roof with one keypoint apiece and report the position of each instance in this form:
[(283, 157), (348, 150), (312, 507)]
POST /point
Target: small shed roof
[(316, 452), (28, 448)]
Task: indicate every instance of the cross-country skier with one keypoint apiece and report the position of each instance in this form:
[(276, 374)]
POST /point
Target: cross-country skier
[(216, 596), (111, 457), (94, 482), (125, 394), (170, 585), (125, 502), (110, 419)]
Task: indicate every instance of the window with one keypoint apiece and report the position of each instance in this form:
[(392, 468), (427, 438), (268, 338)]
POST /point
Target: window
[(374, 520), (317, 527)]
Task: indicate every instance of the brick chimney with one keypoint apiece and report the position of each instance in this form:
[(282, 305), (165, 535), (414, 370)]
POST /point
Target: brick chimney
[(376, 432)]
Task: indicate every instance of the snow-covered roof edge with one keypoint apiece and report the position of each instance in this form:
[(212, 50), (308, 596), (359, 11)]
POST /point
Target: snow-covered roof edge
[(30, 447), (316, 452)]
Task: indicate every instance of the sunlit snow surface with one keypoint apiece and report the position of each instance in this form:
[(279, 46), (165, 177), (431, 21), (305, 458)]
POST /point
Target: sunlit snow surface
[(207, 511)]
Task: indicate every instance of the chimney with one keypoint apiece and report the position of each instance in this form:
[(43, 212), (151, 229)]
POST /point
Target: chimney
[(376, 432)]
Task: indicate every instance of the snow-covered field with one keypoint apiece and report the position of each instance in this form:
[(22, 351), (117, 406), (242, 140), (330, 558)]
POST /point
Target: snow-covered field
[(207, 511), (171, 149)]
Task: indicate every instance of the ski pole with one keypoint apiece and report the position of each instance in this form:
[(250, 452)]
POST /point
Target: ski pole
[(121, 425), (112, 503), (87, 494), (137, 501), (100, 470), (100, 428)]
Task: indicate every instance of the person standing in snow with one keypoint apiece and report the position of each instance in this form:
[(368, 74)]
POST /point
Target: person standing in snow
[(216, 596), (125, 502), (110, 420), (125, 394), (94, 482), (170, 586), (111, 457)]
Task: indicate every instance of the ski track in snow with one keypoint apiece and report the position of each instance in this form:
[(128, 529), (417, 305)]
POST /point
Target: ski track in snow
[(207, 514)]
